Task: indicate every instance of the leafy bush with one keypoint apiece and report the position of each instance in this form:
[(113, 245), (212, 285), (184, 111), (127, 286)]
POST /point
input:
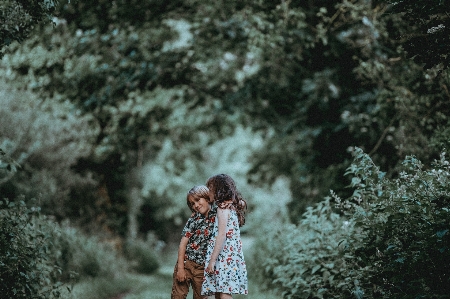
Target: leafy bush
[(308, 260), (404, 227), (392, 240), (20, 17), (25, 269), (85, 255), (143, 254), (38, 255)]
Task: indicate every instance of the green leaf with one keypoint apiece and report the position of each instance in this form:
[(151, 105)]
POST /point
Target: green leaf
[(441, 233), (315, 269)]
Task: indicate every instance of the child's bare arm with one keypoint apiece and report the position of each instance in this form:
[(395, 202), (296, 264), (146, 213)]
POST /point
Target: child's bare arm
[(222, 215), (181, 274)]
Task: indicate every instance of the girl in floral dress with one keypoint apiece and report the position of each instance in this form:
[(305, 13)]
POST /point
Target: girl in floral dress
[(225, 270)]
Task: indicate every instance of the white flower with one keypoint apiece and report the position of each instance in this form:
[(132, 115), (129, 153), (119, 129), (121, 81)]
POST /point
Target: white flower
[(435, 29)]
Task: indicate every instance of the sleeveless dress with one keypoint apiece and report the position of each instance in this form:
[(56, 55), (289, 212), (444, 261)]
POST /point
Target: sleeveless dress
[(230, 274)]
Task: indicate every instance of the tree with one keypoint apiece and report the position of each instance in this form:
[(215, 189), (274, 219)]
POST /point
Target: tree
[(427, 41), (18, 19), (47, 140), (315, 78), (350, 86), (116, 72)]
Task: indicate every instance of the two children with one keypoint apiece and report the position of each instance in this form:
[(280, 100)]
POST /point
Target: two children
[(212, 236)]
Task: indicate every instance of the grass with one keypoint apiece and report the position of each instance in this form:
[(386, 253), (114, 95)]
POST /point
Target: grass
[(126, 285), (98, 288), (140, 286), (159, 286)]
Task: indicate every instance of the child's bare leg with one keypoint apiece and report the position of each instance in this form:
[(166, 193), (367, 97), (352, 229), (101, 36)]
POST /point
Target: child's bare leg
[(225, 296), (215, 296)]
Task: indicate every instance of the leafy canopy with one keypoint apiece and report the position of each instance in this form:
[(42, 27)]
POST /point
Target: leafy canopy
[(428, 41), (18, 18)]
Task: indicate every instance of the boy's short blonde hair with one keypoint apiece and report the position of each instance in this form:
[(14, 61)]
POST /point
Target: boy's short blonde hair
[(197, 192)]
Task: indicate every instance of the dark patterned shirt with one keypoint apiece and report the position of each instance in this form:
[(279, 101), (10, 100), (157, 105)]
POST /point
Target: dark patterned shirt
[(198, 230)]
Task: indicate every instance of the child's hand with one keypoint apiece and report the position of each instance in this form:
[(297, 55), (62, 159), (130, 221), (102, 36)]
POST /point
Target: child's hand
[(181, 275), (210, 268)]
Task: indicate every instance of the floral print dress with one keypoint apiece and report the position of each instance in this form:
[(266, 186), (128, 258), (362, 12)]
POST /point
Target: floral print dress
[(230, 275)]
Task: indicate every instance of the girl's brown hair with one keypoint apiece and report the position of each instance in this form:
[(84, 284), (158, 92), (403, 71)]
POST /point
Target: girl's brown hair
[(197, 192), (224, 189)]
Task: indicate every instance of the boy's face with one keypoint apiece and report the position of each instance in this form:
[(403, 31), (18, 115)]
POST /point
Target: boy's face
[(200, 205)]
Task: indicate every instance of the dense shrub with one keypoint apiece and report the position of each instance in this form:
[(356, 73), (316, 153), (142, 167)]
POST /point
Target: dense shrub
[(404, 227), (25, 269), (19, 18), (38, 255), (308, 260), (143, 254), (85, 256), (390, 241)]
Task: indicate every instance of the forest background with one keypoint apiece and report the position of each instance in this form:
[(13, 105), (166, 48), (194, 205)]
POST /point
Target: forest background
[(112, 110)]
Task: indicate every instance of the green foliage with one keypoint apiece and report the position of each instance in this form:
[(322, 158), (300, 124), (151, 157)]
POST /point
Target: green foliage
[(404, 225), (311, 259), (25, 242), (7, 163), (121, 75), (143, 254), (392, 241), (427, 41), (85, 256), (18, 18), (126, 83), (38, 255), (313, 78), (168, 176), (354, 88), (47, 140), (320, 86)]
